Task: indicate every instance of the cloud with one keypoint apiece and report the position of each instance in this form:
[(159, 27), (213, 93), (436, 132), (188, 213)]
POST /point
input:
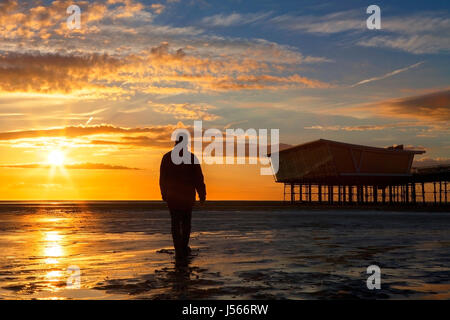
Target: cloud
[(417, 23), (426, 115), (11, 114), (39, 54), (428, 162), (186, 111), (133, 110), (91, 136), (104, 136), (417, 44), (260, 82), (82, 131), (417, 33), (155, 70), (84, 166), (89, 121), (420, 127), (234, 19), (57, 73), (140, 142), (33, 20), (234, 123), (433, 106), (355, 20), (157, 8), (331, 23), (350, 128), (387, 75)]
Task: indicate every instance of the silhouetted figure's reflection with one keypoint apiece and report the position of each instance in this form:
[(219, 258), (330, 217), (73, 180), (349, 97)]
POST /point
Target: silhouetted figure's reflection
[(179, 183), (180, 282)]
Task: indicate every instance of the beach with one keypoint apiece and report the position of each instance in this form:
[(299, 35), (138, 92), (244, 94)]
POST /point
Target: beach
[(124, 251)]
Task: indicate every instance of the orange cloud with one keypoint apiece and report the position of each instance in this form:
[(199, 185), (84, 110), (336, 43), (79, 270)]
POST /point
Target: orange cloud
[(158, 8), (157, 70), (348, 128), (34, 20), (186, 111), (363, 127), (433, 107), (107, 135), (84, 166), (140, 141), (49, 73), (80, 131)]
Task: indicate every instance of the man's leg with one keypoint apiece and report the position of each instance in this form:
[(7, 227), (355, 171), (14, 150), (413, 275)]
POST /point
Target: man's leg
[(187, 215), (177, 236)]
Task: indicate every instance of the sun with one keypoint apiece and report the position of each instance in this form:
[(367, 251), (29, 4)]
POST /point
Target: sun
[(56, 158)]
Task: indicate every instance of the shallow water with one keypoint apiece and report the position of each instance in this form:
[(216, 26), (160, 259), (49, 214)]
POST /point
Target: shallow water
[(126, 252)]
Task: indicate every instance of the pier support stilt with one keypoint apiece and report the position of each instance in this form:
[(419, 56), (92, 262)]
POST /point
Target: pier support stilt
[(292, 194), (423, 193), (434, 192), (375, 194), (407, 193), (390, 194), (445, 192), (330, 194)]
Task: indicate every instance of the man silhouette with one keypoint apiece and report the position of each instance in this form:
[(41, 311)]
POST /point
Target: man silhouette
[(179, 183)]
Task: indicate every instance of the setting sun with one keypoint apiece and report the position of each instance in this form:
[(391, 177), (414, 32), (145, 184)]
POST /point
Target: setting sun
[(56, 158)]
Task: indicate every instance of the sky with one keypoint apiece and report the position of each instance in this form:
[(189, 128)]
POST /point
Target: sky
[(88, 113)]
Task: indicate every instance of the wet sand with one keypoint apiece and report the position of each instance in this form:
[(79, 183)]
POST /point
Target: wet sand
[(124, 251)]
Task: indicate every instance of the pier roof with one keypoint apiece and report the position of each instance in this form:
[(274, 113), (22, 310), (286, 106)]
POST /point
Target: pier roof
[(333, 162)]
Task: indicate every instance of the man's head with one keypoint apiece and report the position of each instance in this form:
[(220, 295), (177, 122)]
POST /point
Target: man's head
[(181, 137)]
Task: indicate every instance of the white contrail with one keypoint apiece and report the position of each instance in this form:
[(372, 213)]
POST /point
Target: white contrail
[(387, 75), (87, 122)]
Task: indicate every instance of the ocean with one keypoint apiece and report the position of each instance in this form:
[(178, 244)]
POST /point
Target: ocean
[(123, 250)]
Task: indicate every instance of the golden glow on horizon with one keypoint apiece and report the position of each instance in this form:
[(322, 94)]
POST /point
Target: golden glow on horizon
[(63, 183)]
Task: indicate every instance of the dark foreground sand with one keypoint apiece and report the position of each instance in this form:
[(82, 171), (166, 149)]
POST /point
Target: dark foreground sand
[(241, 252)]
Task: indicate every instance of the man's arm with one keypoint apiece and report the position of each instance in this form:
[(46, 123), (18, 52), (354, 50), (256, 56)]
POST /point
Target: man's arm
[(199, 182), (163, 178)]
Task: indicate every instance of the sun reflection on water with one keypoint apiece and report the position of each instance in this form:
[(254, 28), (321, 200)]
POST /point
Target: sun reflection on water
[(53, 248), (54, 275), (53, 252)]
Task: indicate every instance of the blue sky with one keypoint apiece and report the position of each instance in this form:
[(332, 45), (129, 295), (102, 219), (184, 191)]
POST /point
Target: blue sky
[(412, 33)]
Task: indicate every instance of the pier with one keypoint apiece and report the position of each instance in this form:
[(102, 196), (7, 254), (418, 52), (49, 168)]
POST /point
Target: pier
[(336, 173)]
